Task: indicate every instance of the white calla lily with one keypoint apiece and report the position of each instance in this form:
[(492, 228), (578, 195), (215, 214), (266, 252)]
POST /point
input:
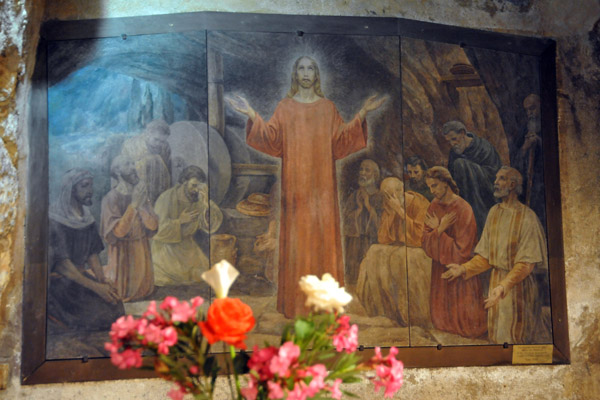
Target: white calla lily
[(325, 293), (220, 277)]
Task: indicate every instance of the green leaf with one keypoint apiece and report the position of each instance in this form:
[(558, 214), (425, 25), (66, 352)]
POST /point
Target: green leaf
[(325, 356), (303, 328), (286, 335)]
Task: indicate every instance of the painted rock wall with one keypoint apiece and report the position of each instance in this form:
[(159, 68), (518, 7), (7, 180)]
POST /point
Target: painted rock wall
[(575, 26)]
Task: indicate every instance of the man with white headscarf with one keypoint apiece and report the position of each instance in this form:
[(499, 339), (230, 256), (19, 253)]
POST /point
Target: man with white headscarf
[(78, 299)]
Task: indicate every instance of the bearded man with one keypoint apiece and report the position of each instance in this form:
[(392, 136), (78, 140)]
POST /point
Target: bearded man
[(182, 211), (397, 259), (526, 157), (308, 134), (513, 246), (151, 153), (128, 223), (473, 163), (361, 213), (416, 168), (78, 299)]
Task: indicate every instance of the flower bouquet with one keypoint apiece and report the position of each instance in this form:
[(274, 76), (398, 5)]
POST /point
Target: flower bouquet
[(317, 353)]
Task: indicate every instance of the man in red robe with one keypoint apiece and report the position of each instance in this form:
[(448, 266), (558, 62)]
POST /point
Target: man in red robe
[(450, 235), (308, 134)]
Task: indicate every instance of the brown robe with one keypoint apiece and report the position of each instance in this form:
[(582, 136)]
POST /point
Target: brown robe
[(360, 224), (127, 231), (309, 138), (457, 306)]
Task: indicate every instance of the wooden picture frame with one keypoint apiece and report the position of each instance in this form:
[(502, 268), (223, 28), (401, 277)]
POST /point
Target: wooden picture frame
[(37, 367)]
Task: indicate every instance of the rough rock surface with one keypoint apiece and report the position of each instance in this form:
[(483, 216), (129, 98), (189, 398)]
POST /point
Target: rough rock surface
[(576, 28)]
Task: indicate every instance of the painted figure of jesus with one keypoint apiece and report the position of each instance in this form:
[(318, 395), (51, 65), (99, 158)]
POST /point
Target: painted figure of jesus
[(308, 134)]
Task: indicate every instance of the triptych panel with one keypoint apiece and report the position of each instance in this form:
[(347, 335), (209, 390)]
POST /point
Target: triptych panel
[(376, 159)]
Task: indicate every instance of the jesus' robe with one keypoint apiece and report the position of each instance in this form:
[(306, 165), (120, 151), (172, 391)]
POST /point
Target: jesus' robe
[(456, 306), (309, 138)]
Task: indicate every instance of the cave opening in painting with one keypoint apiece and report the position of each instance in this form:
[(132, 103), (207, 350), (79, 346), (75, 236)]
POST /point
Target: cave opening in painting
[(410, 170)]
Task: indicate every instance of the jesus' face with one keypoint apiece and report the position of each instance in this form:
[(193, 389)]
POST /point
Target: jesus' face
[(305, 73)]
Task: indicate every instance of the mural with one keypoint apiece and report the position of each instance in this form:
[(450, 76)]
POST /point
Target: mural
[(378, 160)]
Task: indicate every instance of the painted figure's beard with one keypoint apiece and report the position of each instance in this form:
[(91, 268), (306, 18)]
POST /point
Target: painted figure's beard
[(192, 196), (501, 193), (131, 178), (458, 149), (364, 182), (534, 125), (306, 83)]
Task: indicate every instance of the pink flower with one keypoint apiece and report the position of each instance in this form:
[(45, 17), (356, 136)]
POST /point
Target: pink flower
[(112, 347), (152, 314), (197, 301), (344, 322), (151, 333), (127, 359), (336, 393), (288, 353), (346, 337), (318, 373), (298, 393), (169, 336), (177, 393), (162, 348), (182, 312), (123, 327), (194, 370), (275, 390), (251, 391), (169, 303), (389, 371), (168, 339), (260, 361)]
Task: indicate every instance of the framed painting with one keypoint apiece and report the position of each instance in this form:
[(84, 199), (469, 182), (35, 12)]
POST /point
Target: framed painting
[(416, 163)]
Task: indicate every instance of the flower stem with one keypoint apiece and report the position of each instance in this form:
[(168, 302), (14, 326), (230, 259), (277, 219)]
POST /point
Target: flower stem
[(235, 375)]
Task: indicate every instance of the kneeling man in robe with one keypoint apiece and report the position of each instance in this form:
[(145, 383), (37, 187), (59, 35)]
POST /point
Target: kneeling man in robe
[(182, 211), (513, 245), (382, 285)]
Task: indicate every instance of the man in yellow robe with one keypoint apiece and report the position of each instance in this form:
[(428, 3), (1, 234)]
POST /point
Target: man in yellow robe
[(382, 278), (513, 245), (182, 211)]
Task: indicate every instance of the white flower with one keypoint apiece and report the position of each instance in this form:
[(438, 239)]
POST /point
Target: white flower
[(220, 277), (325, 294)]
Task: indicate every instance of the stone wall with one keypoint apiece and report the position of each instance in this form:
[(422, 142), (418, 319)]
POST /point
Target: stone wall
[(575, 26)]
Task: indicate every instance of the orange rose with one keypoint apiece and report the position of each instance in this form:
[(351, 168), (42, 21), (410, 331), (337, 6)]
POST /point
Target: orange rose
[(228, 320)]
